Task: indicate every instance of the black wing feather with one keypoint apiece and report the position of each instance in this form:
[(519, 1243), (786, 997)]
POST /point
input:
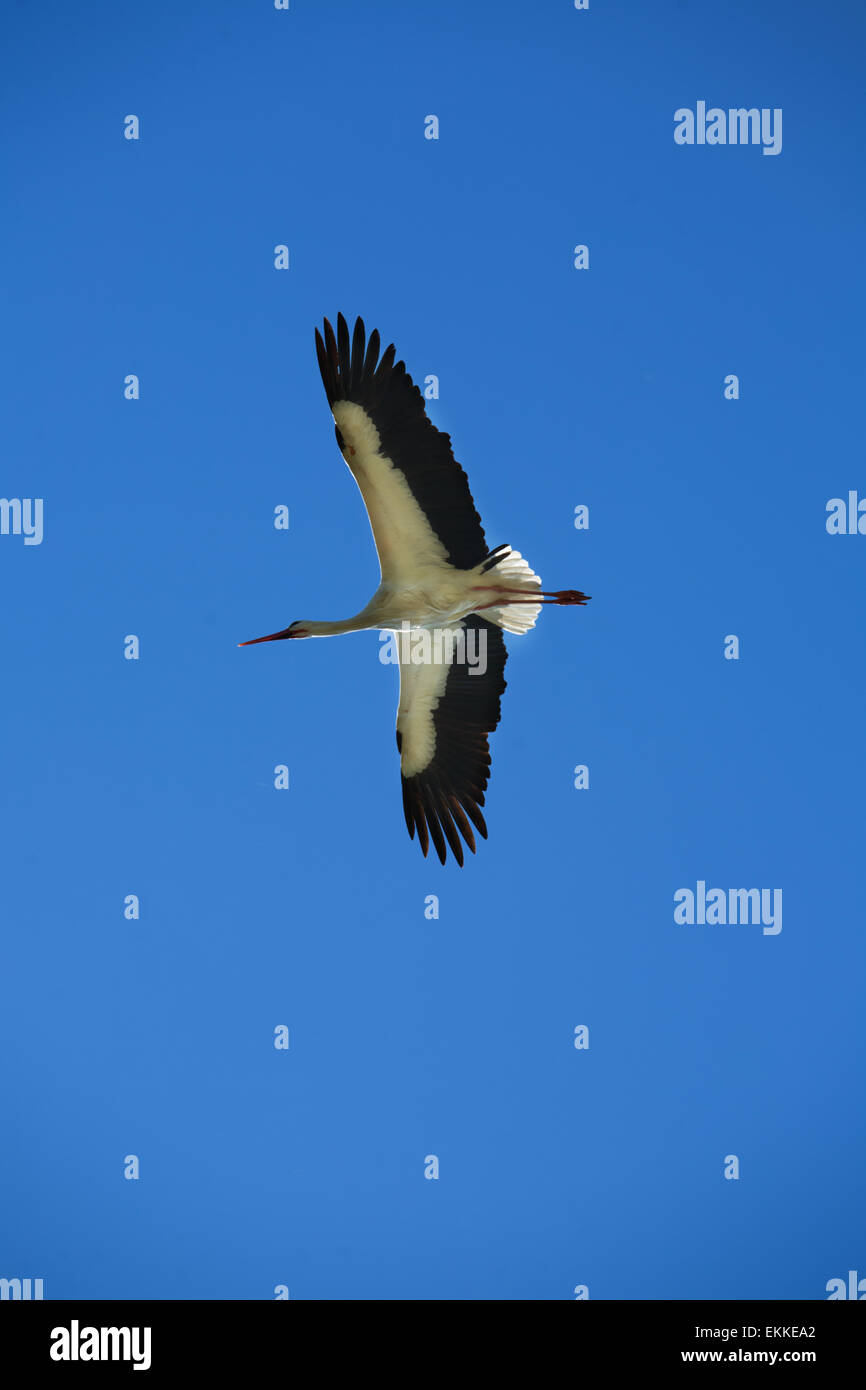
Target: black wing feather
[(408, 437), (449, 792)]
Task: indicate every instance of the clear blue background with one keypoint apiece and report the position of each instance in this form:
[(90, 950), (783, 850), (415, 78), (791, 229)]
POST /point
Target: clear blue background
[(306, 908)]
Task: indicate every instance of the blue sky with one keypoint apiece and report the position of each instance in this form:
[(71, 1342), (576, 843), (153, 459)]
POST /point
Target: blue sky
[(409, 1037)]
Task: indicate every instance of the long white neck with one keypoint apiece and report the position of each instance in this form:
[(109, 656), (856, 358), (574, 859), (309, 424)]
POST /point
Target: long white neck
[(359, 623)]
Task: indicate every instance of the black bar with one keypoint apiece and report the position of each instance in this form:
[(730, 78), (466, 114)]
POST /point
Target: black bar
[(221, 1338)]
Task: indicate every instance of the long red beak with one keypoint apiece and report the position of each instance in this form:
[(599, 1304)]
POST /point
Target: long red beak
[(272, 637)]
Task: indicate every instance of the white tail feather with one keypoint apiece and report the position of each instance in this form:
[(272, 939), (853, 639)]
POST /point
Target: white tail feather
[(514, 571)]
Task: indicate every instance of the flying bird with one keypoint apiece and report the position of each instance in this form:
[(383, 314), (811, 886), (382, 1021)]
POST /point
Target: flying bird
[(440, 582)]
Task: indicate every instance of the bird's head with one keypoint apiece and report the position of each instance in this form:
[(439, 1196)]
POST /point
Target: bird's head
[(296, 629)]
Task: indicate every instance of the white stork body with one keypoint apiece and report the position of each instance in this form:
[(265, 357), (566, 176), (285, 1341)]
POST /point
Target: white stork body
[(437, 596), (436, 573)]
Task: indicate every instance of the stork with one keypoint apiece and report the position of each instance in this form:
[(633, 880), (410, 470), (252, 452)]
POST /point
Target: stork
[(437, 575)]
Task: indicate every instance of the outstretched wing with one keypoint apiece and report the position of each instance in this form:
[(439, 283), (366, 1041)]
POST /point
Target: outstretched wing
[(446, 711), (416, 494)]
